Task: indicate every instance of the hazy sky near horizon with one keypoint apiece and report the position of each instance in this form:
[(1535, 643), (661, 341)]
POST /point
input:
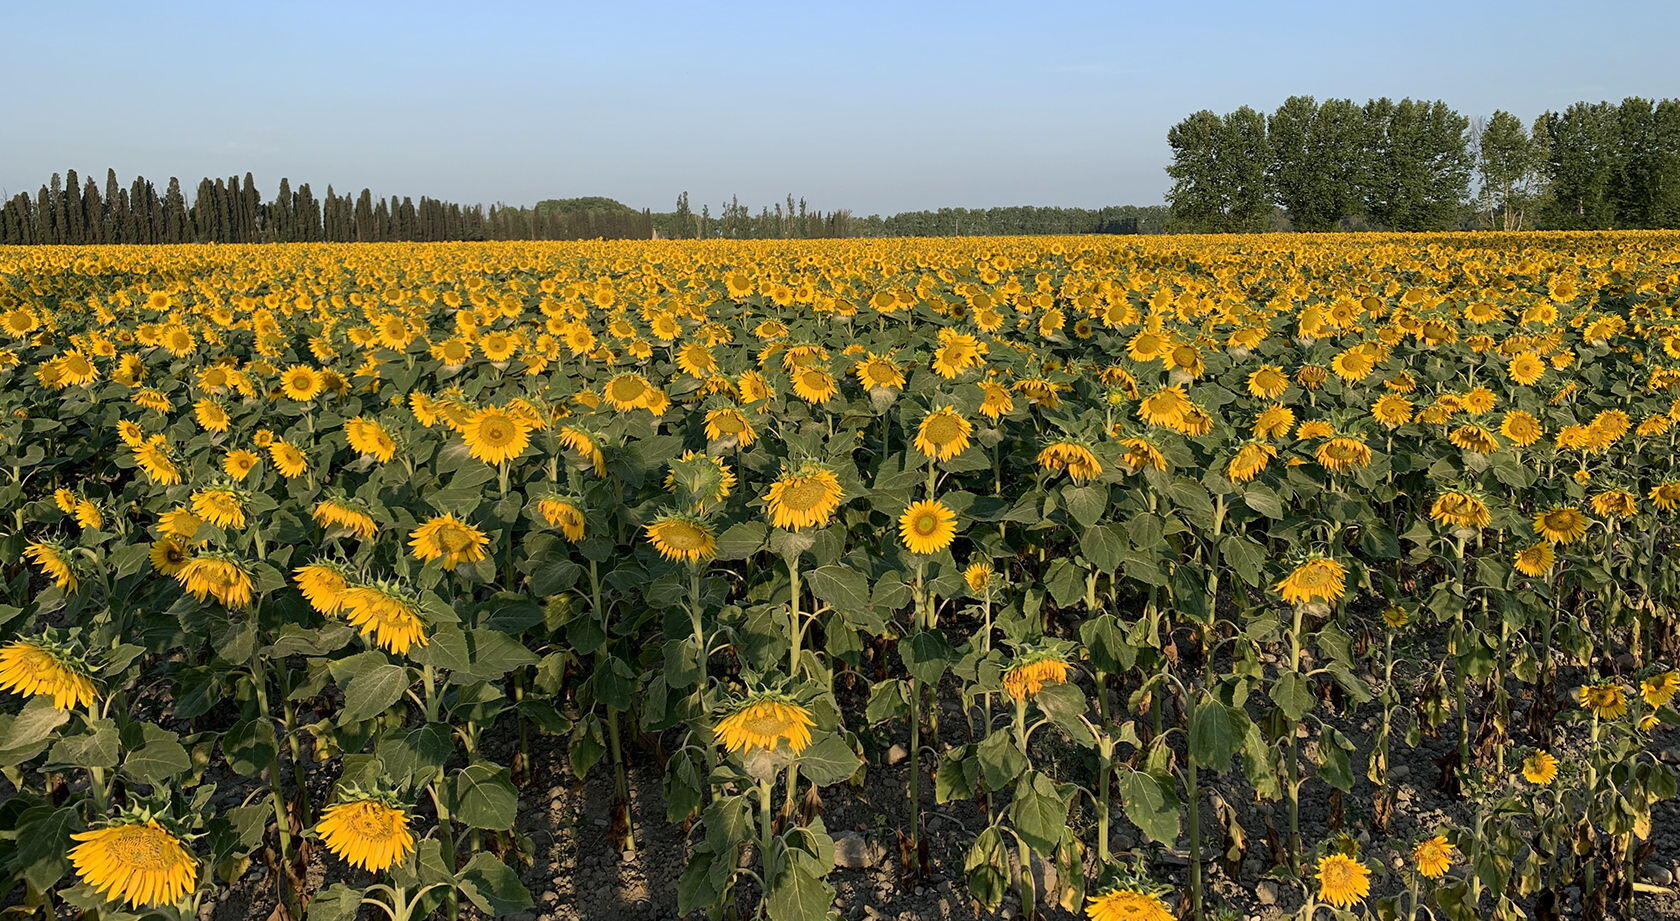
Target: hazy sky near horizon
[(876, 107)]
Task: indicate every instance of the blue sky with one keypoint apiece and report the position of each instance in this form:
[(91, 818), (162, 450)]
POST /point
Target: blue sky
[(872, 106)]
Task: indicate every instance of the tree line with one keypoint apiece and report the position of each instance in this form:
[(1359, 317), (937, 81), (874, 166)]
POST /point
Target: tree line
[(1420, 165), (69, 209)]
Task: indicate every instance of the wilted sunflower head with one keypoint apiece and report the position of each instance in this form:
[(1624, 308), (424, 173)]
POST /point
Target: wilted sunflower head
[(1035, 668)]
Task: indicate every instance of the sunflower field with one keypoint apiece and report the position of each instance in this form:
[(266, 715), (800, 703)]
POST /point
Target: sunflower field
[(1128, 547)]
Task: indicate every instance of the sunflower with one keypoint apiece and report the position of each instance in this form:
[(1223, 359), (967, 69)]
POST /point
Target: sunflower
[(1079, 461), (449, 540), (367, 832), (1473, 438), (349, 514), (386, 612), (1342, 880), (928, 526), (224, 508), (46, 668), (1615, 503), (1461, 510), (1563, 525), (1268, 382), (701, 478), (369, 438), (1142, 454), (682, 537), (168, 555), (1123, 904), (153, 457), (1168, 407), (288, 459), (1540, 767), (728, 425), (562, 513), (1392, 410), (210, 415), (814, 385), (495, 436), (301, 383), (135, 861), (878, 373), (1666, 496), (1536, 560), (54, 562), (943, 434), (764, 721), (584, 444), (1605, 699), (1030, 673), (1658, 690), (324, 585), (1319, 578), (978, 576), (1249, 461), (1433, 856), (239, 463), (217, 576), (1343, 453), (805, 498)]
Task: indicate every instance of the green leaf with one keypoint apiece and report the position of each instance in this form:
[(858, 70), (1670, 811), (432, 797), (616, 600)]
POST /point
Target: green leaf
[(372, 691), (1000, 761), (1215, 734), (1065, 704), (829, 761), (34, 724), (43, 840), (157, 758), (97, 749), (740, 541), (926, 654), (416, 753), (1293, 695), (797, 895), (1039, 813), (1247, 558), (337, 902), (1086, 503), (493, 887), (484, 798), (1152, 804), (841, 587)]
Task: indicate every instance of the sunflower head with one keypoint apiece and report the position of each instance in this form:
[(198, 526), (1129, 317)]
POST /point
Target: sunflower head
[(51, 664), (763, 721), (700, 480), (1316, 578), (1035, 668), (142, 857), (927, 526), (806, 496), (1540, 767), (1343, 879), (683, 537), (367, 828), (1433, 856)]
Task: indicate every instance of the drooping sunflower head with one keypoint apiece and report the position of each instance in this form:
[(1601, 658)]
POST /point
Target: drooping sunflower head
[(168, 555), (222, 506), (763, 721), (343, 512), (325, 585), (585, 445), (388, 612), (729, 426), (1249, 461), (683, 537), (1072, 456), (367, 829), (1660, 688), (369, 438), (137, 858), (55, 562), (563, 512), (49, 665), (1535, 560), (1316, 578), (1615, 503), (805, 497), (218, 575), (1034, 669), (927, 526), (1461, 509), (1343, 453)]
